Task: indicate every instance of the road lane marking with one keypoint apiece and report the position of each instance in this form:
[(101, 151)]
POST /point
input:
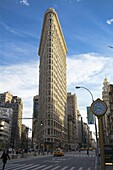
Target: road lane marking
[(48, 167), (8, 166), (16, 166), (31, 167), (55, 168), (72, 168), (39, 167), (25, 166), (64, 168)]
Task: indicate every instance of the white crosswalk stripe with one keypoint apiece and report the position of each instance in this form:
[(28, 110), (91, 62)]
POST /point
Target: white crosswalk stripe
[(72, 168), (55, 168), (11, 166), (17, 167), (30, 167), (48, 167), (80, 155), (64, 168), (39, 167), (25, 166)]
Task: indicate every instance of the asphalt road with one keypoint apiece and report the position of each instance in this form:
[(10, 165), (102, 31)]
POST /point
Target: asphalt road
[(70, 161)]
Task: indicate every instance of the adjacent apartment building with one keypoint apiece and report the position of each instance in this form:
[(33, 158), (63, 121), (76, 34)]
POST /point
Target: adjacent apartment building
[(107, 96), (5, 127), (110, 117), (52, 128), (34, 121), (73, 117), (7, 100)]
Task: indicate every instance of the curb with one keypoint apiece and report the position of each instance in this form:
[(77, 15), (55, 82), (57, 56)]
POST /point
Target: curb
[(97, 165)]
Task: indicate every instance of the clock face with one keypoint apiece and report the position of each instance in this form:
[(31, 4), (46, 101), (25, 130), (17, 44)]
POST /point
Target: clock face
[(99, 107)]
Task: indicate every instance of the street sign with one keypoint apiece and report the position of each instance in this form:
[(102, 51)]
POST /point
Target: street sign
[(90, 116)]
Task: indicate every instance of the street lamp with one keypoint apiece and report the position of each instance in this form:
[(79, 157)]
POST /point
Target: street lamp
[(78, 87)]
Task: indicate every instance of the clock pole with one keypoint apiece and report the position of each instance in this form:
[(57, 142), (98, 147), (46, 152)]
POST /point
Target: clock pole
[(101, 142), (99, 108)]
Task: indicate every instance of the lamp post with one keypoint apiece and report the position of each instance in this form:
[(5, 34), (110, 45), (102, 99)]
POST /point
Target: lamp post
[(78, 87)]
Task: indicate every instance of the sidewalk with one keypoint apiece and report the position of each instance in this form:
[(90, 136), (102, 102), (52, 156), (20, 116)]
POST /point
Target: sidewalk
[(109, 167), (98, 166)]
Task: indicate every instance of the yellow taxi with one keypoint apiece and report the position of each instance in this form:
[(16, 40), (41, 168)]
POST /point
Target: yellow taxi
[(58, 152)]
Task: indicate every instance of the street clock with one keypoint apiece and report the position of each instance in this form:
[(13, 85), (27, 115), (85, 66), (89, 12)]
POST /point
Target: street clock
[(99, 107)]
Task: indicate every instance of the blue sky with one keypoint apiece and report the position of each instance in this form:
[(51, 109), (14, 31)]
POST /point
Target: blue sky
[(87, 26)]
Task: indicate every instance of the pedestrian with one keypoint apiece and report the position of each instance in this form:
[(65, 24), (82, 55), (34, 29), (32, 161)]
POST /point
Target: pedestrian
[(4, 158), (87, 151)]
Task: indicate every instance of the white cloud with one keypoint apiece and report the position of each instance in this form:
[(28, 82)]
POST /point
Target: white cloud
[(110, 21), (70, 1), (24, 2), (86, 67), (87, 70), (17, 31), (7, 27), (21, 80)]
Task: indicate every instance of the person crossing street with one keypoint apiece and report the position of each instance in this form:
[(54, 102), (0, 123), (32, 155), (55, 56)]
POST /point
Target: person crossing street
[(4, 158)]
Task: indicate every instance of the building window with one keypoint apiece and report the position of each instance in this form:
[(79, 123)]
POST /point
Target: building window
[(48, 139), (49, 67), (51, 122), (48, 99), (48, 122), (48, 131)]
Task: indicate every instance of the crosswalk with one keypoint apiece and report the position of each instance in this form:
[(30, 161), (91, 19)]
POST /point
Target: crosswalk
[(80, 154), (10, 166)]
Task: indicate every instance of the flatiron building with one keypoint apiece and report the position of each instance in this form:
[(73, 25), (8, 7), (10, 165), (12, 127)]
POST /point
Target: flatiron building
[(52, 129)]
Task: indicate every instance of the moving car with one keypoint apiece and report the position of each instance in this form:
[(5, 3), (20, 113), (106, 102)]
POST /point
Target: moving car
[(58, 152)]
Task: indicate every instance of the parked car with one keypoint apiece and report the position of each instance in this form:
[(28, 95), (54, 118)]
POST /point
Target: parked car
[(58, 152)]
